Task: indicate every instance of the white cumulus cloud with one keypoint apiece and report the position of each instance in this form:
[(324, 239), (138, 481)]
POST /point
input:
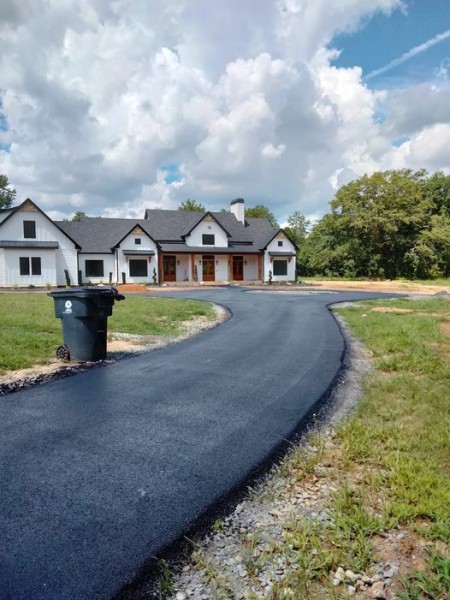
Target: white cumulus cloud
[(114, 107)]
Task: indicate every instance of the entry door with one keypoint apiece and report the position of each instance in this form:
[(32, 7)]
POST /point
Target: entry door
[(238, 268), (209, 273), (169, 268)]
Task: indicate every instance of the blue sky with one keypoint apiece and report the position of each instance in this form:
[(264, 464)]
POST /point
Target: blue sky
[(114, 107), (385, 38)]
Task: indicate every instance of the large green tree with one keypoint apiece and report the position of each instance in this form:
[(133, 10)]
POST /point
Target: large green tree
[(438, 190), (390, 224), (263, 212), (297, 227), (379, 218), (7, 193), (78, 215), (192, 205)]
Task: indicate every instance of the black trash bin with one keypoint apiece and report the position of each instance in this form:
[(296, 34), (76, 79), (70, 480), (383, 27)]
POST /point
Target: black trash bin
[(84, 316)]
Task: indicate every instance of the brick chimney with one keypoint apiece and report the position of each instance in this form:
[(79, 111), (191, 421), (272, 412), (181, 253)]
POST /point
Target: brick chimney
[(238, 209)]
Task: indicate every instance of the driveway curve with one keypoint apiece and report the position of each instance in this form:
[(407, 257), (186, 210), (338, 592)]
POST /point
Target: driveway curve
[(101, 471)]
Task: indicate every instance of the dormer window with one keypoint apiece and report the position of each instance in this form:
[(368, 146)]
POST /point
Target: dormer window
[(138, 241), (208, 239), (280, 243), (29, 230)]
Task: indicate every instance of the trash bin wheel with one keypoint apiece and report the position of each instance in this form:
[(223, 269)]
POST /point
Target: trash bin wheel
[(62, 352)]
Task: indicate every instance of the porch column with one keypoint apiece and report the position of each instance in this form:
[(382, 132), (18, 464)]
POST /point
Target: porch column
[(260, 267), (192, 267), (160, 267), (230, 267)]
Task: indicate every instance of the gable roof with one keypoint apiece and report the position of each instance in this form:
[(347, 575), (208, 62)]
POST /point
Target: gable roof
[(98, 235), (4, 212), (286, 234), (168, 229), (135, 226), (207, 214), (15, 209)]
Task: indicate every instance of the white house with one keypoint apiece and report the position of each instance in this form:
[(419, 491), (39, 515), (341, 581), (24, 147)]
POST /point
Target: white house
[(34, 250), (165, 246)]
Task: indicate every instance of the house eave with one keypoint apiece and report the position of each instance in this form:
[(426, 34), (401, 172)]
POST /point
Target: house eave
[(29, 244)]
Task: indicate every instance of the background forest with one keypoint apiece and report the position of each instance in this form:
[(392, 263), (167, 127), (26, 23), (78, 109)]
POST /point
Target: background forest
[(391, 224)]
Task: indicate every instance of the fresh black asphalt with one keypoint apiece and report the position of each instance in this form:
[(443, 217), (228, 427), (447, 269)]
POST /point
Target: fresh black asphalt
[(101, 471)]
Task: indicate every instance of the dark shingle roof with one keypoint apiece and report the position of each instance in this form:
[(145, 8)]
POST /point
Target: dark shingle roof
[(97, 235), (4, 212), (167, 227)]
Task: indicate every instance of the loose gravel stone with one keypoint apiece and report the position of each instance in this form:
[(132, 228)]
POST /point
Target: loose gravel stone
[(377, 590), (340, 575)]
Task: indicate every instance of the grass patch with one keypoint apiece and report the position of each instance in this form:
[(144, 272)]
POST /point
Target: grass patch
[(392, 457), (433, 584), (30, 332), (146, 315), (403, 425)]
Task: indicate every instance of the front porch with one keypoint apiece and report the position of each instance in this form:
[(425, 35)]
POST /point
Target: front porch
[(209, 267)]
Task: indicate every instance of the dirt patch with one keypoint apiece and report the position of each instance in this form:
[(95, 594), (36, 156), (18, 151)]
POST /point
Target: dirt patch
[(389, 309), (445, 328), (405, 543), (124, 288), (400, 287), (399, 311), (442, 349)]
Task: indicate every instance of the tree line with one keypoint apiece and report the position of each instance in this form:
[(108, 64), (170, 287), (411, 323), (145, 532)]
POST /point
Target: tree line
[(390, 224)]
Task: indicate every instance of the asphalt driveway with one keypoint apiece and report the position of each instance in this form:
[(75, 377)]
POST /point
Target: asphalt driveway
[(101, 471)]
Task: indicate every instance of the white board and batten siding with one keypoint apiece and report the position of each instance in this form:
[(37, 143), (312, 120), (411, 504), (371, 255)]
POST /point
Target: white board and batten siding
[(108, 266), (274, 246), (54, 261), (222, 268), (144, 244), (183, 267), (250, 268), (208, 226)]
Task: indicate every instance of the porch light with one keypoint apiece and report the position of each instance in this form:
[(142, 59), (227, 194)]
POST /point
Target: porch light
[(217, 262), (200, 262), (178, 262)]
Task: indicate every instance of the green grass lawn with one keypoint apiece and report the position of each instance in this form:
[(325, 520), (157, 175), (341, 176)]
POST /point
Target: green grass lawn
[(403, 423), (30, 333), (392, 457)]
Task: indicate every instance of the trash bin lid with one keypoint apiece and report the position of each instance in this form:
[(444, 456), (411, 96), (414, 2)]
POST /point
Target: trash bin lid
[(85, 292)]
